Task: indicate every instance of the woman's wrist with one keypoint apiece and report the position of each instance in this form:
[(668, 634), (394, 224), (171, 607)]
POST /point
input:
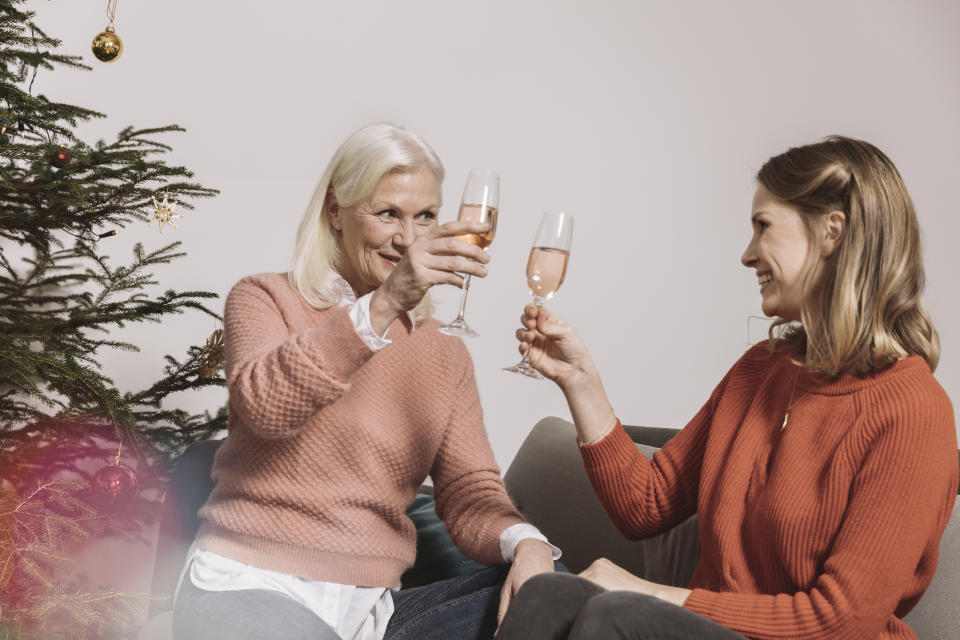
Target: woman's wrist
[(534, 547), (382, 311), (600, 431), (583, 375), (592, 413)]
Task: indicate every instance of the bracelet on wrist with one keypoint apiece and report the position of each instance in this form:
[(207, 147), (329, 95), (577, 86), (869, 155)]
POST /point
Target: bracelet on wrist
[(608, 429)]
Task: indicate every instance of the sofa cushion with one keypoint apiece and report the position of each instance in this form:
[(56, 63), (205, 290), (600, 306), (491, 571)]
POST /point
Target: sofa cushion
[(547, 482), (937, 615), (549, 486)]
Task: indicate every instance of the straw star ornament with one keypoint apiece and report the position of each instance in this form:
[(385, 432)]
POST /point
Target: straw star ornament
[(163, 213)]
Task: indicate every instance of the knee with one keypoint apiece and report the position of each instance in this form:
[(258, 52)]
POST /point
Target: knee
[(616, 611), (552, 583), (557, 589), (539, 586)]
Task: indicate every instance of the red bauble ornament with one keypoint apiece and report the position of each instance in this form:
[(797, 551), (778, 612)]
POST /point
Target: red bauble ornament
[(114, 487), (60, 159)]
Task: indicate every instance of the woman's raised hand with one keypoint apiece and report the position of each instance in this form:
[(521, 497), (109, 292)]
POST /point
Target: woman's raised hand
[(436, 257), (554, 349), (552, 346)]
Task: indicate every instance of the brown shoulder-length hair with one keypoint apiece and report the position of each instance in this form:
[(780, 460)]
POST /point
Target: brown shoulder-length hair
[(866, 313)]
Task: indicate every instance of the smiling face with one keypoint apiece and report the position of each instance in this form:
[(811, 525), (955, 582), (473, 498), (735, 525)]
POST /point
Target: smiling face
[(374, 235), (779, 253)]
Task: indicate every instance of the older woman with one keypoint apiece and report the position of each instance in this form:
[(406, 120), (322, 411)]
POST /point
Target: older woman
[(823, 468), (343, 398)]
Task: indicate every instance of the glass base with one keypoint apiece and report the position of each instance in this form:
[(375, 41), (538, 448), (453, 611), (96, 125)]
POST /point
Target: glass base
[(458, 327), (523, 368)]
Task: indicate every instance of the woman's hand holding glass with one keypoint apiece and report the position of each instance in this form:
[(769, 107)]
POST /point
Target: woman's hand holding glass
[(437, 257), (546, 267), (553, 348), (480, 203)]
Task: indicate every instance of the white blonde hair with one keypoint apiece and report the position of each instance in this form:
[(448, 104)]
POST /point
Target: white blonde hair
[(351, 176)]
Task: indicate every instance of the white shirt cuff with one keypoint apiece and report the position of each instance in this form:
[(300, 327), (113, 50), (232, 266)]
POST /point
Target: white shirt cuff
[(512, 536), (360, 316)]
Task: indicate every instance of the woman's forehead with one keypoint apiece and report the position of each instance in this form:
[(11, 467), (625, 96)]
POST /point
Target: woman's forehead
[(398, 188)]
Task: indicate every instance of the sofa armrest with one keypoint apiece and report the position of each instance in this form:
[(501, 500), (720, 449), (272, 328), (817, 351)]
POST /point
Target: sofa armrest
[(190, 484), (650, 436)]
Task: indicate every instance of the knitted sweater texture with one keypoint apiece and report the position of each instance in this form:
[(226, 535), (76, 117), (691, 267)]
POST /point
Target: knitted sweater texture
[(328, 442), (828, 528)]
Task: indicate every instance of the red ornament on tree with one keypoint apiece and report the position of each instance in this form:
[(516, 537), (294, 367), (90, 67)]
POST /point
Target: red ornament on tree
[(114, 487), (60, 159)]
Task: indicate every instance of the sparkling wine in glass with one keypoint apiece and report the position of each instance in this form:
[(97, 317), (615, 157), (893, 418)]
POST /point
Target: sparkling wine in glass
[(480, 203), (546, 268)]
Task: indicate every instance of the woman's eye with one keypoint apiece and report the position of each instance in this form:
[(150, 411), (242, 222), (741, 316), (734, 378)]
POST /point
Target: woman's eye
[(388, 214), (426, 217), (762, 226)]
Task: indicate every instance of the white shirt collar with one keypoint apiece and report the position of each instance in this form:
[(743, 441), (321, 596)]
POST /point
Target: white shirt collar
[(336, 289)]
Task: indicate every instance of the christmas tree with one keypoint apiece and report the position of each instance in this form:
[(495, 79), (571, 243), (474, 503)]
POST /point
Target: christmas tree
[(80, 459)]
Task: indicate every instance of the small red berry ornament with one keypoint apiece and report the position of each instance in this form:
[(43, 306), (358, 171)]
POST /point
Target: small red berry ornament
[(60, 159), (114, 487)]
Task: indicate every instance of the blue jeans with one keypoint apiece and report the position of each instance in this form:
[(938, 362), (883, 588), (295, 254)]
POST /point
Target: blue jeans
[(461, 607), (464, 607)]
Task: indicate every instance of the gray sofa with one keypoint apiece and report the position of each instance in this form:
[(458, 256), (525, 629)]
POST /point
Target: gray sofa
[(547, 482)]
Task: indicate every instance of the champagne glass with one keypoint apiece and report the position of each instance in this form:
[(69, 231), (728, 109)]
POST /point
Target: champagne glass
[(546, 268), (480, 202)]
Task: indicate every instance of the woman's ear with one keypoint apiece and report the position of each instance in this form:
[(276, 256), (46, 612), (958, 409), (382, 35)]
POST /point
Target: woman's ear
[(333, 208), (834, 225)]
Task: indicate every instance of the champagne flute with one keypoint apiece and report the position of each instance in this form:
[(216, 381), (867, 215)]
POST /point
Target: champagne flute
[(480, 203), (546, 268)]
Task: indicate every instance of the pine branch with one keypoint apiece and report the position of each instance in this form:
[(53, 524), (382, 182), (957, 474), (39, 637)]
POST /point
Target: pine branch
[(59, 310)]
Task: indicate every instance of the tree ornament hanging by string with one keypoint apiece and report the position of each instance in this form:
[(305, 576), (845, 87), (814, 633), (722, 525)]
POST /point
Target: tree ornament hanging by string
[(107, 45), (115, 486), (163, 212), (213, 356)]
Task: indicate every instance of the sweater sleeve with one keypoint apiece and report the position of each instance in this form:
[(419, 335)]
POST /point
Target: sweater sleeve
[(277, 380), (470, 495), (900, 501), (647, 497)]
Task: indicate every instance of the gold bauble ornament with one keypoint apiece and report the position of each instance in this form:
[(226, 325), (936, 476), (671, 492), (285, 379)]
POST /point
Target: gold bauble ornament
[(107, 46)]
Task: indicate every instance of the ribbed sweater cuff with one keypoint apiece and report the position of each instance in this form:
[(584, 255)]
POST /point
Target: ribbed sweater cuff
[(605, 452), (337, 347), (701, 601)]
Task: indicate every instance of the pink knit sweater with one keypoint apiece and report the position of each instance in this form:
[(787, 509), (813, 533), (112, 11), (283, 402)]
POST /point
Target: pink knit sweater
[(328, 442)]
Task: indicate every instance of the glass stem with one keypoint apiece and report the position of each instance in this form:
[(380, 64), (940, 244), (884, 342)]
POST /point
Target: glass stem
[(537, 300), (463, 298)]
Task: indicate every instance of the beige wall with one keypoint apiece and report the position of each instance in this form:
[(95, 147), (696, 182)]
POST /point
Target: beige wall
[(646, 120)]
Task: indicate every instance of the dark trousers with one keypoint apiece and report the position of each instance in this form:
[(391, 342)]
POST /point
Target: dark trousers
[(561, 606)]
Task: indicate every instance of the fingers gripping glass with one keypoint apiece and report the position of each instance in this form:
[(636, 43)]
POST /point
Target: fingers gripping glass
[(546, 268), (480, 203)]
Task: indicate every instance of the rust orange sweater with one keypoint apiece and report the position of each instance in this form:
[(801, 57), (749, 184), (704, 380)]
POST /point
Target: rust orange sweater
[(827, 529), (328, 442)]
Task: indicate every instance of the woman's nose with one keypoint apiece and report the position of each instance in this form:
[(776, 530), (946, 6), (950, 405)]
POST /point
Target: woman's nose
[(749, 256), (406, 234)]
